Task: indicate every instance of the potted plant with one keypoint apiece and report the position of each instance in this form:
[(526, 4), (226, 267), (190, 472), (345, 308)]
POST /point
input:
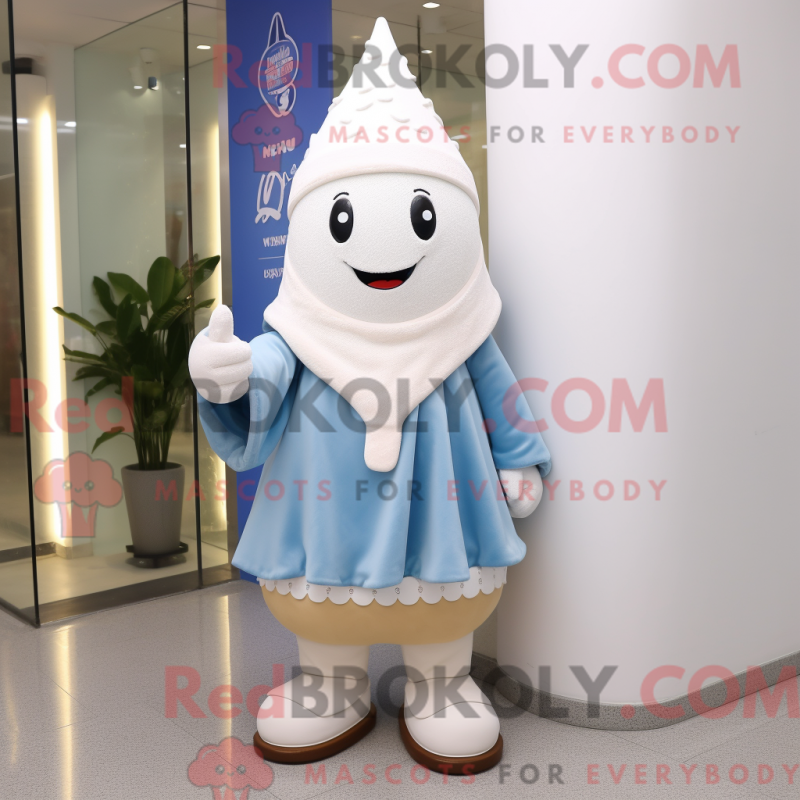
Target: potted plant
[(145, 348)]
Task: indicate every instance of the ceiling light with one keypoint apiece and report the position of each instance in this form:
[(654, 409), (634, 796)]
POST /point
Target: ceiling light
[(137, 74), (22, 121), (70, 124), (204, 47), (182, 146), (426, 52), (430, 5)]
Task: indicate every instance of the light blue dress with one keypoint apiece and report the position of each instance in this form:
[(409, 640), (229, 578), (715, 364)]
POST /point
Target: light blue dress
[(319, 511)]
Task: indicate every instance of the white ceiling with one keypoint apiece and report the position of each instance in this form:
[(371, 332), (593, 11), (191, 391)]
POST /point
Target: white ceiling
[(453, 24), (77, 22)]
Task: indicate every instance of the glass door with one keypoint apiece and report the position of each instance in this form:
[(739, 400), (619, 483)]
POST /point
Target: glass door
[(128, 501), (17, 565)]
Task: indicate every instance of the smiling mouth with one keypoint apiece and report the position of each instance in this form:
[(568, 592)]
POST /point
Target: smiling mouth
[(384, 280)]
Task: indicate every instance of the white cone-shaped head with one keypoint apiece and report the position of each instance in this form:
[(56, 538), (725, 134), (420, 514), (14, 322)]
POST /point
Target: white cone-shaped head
[(381, 123)]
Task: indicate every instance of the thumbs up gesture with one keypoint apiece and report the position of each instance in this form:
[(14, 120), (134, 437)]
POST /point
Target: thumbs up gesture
[(219, 362)]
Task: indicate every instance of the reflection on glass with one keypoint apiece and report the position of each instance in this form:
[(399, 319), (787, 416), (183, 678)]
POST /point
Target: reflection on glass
[(206, 104), (89, 246), (16, 564), (131, 202), (143, 354), (103, 148), (104, 213)]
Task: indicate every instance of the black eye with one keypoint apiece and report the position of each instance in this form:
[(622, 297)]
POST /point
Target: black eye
[(219, 769), (89, 485), (423, 216), (241, 769), (341, 221)]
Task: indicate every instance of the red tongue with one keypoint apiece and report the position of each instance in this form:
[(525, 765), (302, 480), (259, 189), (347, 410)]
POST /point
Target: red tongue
[(385, 284)]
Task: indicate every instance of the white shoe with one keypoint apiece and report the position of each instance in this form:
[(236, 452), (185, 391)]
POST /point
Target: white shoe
[(445, 713), (321, 704)]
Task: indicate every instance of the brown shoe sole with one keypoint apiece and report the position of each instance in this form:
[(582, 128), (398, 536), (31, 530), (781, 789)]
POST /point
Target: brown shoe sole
[(450, 765), (317, 752)]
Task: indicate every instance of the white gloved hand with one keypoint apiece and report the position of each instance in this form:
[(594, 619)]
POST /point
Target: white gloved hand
[(523, 489), (219, 362)]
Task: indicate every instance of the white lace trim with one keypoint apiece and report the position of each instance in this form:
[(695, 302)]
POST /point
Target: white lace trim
[(408, 591)]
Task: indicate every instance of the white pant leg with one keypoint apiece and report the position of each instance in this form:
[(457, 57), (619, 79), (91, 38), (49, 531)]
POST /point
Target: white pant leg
[(328, 696), (446, 712)]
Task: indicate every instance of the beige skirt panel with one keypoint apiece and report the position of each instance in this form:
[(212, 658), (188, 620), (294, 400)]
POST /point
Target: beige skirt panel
[(348, 623)]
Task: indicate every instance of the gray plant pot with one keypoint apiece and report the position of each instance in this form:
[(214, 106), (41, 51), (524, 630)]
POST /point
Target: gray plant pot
[(154, 499)]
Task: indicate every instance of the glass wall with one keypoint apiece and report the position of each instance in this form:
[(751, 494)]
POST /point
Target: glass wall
[(122, 195), (208, 116), (17, 577), (129, 502)]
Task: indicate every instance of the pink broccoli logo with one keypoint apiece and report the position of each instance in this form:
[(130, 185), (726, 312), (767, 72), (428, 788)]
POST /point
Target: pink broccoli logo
[(78, 485), (231, 765), (269, 136)]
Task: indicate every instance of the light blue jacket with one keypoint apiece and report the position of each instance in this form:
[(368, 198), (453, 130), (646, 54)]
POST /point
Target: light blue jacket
[(319, 511)]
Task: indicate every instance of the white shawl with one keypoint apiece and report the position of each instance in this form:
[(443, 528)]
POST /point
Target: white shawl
[(397, 364)]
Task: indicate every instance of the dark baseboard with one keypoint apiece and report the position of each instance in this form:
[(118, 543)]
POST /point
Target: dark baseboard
[(126, 595), (616, 716), (20, 553)]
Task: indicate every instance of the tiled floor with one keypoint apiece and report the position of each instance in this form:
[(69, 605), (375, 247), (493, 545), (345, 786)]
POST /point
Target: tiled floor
[(83, 715)]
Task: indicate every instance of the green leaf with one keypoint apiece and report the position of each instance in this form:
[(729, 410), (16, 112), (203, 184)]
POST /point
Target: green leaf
[(120, 355), (83, 361), (128, 319), (164, 319), (178, 344), (103, 292), (180, 280), (98, 387), (77, 319), (203, 270), (89, 362), (82, 354), (108, 326), (150, 389), (160, 279), (156, 420), (141, 372), (181, 376), (104, 437), (153, 352), (128, 286), (143, 348), (184, 268), (94, 371)]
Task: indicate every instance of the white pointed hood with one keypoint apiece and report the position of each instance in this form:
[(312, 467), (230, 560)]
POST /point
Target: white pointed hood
[(380, 123)]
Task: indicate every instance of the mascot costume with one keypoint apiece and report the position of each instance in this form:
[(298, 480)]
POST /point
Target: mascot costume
[(396, 444)]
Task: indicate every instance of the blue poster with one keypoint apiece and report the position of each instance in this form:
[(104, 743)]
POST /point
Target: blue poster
[(277, 97)]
